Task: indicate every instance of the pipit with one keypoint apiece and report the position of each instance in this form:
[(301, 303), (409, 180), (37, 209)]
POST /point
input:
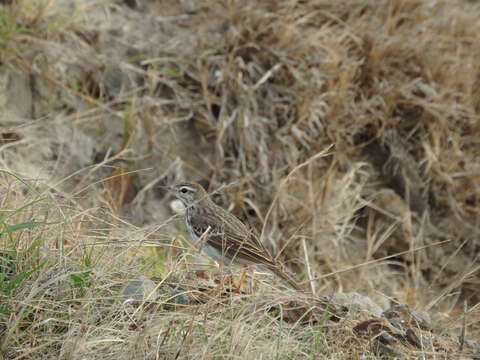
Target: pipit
[(221, 235)]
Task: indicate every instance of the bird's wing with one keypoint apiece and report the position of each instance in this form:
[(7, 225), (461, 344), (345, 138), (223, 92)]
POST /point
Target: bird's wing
[(231, 238)]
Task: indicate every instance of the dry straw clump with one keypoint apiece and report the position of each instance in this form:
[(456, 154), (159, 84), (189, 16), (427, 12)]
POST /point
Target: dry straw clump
[(394, 87)]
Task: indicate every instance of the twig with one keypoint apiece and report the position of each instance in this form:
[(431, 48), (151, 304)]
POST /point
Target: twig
[(462, 333), (307, 265), (371, 262)]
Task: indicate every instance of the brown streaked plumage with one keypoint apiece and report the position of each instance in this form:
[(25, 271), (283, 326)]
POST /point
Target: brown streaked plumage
[(223, 236)]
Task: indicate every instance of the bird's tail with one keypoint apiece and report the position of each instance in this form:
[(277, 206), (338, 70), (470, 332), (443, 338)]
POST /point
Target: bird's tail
[(284, 276)]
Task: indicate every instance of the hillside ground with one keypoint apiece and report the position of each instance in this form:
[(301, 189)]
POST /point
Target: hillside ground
[(344, 133)]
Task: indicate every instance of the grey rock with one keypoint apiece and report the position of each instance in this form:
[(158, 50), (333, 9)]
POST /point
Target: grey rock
[(357, 302), (115, 81), (422, 318), (387, 351), (19, 94), (177, 297), (385, 338), (140, 289), (189, 6), (145, 289)]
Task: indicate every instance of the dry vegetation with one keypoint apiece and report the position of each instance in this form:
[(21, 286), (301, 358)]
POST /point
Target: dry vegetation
[(346, 133)]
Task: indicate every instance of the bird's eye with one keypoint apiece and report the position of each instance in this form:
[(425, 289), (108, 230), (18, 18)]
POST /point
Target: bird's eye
[(183, 190)]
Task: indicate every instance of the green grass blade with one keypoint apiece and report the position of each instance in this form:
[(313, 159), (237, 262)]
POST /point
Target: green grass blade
[(24, 225)]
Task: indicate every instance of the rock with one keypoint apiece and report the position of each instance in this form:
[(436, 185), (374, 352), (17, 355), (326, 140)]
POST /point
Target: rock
[(387, 351), (19, 94), (177, 296), (140, 289), (422, 319), (145, 289), (116, 82), (357, 302)]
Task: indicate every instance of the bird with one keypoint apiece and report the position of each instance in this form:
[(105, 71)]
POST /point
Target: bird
[(221, 235)]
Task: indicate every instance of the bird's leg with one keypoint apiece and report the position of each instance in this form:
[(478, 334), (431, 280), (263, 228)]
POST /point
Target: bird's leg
[(201, 240), (220, 287), (238, 287)]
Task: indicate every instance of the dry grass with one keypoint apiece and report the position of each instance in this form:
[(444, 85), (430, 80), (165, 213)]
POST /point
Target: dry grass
[(344, 132)]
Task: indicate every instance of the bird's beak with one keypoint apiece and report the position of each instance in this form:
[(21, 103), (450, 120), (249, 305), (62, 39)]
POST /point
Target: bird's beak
[(167, 188)]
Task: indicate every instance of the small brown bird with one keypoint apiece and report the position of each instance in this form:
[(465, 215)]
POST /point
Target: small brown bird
[(221, 235)]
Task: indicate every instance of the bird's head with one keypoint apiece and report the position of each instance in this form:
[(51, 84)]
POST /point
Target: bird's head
[(189, 193)]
